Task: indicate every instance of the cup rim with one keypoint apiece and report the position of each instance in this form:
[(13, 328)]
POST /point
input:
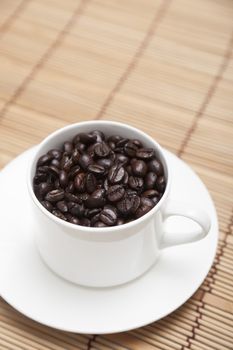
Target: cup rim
[(97, 230)]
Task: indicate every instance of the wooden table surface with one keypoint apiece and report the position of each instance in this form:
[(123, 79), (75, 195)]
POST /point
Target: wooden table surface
[(164, 66)]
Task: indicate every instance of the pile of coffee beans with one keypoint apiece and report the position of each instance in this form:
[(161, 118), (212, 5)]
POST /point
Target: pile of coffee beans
[(99, 181)]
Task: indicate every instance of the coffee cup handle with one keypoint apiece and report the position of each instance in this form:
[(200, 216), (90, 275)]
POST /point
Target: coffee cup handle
[(197, 215)]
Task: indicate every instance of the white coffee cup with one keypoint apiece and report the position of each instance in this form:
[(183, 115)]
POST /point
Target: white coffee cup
[(102, 257)]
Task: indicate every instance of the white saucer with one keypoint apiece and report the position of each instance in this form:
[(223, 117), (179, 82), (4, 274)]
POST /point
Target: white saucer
[(31, 288)]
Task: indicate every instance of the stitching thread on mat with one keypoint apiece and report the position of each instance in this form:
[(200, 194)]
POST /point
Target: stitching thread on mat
[(76, 15), (136, 57), (91, 341), (212, 88), (195, 327), (5, 26)]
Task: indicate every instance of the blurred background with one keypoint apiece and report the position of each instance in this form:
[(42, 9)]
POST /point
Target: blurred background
[(164, 66)]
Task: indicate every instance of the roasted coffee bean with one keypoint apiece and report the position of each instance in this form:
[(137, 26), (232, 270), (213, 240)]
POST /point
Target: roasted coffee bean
[(54, 171), (150, 180), (80, 147), (62, 206), (147, 201), (116, 173), (77, 209), (161, 184), (36, 191), (130, 193), (129, 170), (119, 150), (93, 202), (96, 169), (84, 138), (72, 198), (128, 205), (49, 170), (145, 153), (115, 193), (74, 171), (57, 184), (43, 188), (100, 184), (114, 138), (83, 196), (91, 183), (85, 160), (137, 143), (112, 145), (155, 166), (145, 206), (155, 200), (92, 212), (130, 149), (55, 153), (70, 187), (64, 160), (150, 193), (45, 159), (99, 193), (63, 178), (47, 205), (125, 179), (121, 158), (112, 156), (111, 207), (125, 206), (75, 156), (122, 142), (99, 135), (74, 220), (120, 222), (135, 200), (102, 150), (106, 184), (95, 218), (59, 214), (66, 163), (69, 216), (87, 138), (100, 224), (39, 177), (108, 216), (105, 162), (68, 147), (55, 195), (99, 181), (70, 205), (139, 168), (136, 183), (85, 222), (133, 160), (55, 162), (91, 150), (80, 182)]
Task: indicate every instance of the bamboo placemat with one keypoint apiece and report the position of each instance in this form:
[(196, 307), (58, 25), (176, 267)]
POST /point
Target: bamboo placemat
[(164, 66)]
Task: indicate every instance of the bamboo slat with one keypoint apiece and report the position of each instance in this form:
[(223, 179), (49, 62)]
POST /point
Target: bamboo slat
[(164, 66)]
